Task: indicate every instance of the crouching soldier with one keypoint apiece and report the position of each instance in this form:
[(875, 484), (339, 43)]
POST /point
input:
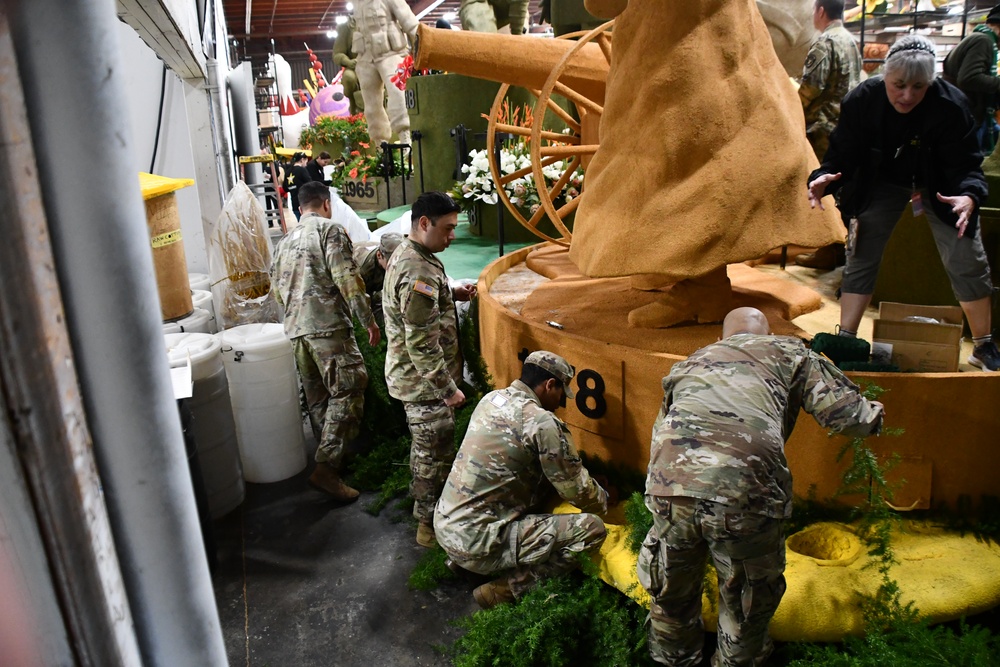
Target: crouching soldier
[(516, 451)]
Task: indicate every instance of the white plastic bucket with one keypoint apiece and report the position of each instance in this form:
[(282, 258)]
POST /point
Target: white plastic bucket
[(213, 425), (265, 395), (203, 299), (199, 281), (200, 321)]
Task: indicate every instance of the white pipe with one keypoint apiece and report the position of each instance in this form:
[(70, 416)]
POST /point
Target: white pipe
[(103, 260)]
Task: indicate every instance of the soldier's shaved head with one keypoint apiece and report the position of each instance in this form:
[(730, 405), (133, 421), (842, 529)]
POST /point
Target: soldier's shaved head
[(745, 320)]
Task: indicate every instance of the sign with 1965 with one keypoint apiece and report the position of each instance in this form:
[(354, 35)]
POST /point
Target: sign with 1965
[(358, 190)]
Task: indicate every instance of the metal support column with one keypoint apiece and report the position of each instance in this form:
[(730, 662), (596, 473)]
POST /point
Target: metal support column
[(97, 221)]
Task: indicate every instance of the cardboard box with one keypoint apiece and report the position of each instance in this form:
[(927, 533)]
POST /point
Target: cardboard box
[(919, 346)]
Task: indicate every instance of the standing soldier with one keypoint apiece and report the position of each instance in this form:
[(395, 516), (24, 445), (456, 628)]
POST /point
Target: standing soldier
[(344, 56), (371, 263), (381, 31), (316, 282), (832, 69), (423, 365), (719, 485), (515, 453)]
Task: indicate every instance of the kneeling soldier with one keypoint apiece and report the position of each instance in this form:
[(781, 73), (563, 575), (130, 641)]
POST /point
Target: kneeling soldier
[(514, 453)]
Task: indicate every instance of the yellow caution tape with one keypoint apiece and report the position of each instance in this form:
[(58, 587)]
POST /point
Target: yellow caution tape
[(289, 152)]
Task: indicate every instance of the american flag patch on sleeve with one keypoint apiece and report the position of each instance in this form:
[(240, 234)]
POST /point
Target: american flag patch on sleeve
[(421, 287)]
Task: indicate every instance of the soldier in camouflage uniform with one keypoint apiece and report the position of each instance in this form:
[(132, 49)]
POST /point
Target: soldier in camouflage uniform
[(513, 456), (719, 484), (316, 282), (423, 365), (371, 261), (832, 69)]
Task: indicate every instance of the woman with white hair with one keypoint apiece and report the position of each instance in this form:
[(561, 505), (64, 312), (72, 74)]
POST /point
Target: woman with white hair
[(909, 137)]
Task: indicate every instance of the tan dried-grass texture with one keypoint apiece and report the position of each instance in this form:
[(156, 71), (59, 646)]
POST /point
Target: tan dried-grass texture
[(703, 159)]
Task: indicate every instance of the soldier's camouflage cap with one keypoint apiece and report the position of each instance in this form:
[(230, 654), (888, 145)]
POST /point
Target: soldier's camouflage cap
[(389, 242), (556, 365)]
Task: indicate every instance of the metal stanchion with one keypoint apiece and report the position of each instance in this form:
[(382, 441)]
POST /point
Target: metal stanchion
[(389, 170)]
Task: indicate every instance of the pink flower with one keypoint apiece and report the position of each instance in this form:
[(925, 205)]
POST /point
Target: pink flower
[(353, 173)]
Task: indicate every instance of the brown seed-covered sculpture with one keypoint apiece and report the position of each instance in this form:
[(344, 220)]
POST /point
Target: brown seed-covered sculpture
[(702, 160)]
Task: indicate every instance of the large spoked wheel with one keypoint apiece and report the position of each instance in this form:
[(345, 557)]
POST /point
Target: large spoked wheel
[(547, 148)]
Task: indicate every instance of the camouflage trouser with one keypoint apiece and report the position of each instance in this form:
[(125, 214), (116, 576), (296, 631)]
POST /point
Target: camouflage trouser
[(333, 379), (432, 428), (748, 552), (539, 546)]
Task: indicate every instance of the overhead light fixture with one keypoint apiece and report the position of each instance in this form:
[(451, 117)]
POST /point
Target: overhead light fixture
[(330, 34), (449, 16), (340, 20), (349, 6)]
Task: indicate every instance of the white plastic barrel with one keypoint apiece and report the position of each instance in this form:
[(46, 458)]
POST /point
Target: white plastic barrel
[(213, 425), (203, 299), (265, 394), (199, 281), (200, 321)]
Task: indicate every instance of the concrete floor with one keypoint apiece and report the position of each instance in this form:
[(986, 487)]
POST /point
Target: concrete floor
[(301, 580)]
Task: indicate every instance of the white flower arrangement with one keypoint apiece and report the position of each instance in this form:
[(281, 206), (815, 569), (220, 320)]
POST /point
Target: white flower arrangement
[(522, 192)]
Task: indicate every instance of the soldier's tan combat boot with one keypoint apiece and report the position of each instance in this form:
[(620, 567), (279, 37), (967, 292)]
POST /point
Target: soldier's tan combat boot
[(493, 593), (425, 535), (328, 480)]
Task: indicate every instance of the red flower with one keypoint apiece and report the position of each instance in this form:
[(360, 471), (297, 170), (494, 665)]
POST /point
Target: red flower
[(353, 173), (362, 144), (355, 153)]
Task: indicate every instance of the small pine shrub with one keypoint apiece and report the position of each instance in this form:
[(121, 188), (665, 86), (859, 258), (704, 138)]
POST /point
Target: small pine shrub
[(430, 571), (906, 645), (568, 620), (639, 520)]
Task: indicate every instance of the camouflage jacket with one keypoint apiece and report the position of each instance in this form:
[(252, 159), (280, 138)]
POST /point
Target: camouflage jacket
[(370, 270), (832, 69), (316, 280), (728, 410), (373, 276), (422, 362), (514, 453)]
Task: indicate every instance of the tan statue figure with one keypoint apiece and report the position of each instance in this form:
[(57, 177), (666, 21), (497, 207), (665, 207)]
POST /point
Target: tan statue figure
[(702, 157), (344, 56), (489, 15), (382, 29)]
